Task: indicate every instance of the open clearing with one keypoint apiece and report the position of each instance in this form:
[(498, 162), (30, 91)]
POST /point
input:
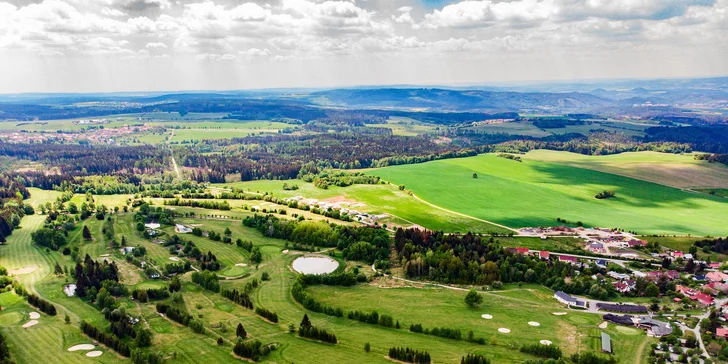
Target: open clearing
[(534, 193)]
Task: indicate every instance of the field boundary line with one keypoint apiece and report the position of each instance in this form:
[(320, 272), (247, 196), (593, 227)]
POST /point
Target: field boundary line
[(464, 215)]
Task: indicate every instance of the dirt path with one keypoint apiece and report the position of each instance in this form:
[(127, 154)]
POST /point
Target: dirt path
[(641, 350), (174, 162), (463, 215)]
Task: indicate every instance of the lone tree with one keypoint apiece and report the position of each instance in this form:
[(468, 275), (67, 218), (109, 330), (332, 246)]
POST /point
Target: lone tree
[(475, 175), (240, 332), (473, 299), (86, 233)]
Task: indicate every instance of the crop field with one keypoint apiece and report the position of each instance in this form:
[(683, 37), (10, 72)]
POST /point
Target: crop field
[(528, 129), (675, 170), (378, 199), (535, 193), (406, 126)]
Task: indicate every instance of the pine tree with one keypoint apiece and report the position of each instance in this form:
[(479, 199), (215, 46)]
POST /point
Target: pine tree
[(305, 323), (58, 270), (240, 332), (86, 233)]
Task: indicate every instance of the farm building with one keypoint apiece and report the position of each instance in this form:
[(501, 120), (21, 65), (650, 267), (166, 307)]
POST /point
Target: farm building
[(606, 343), (569, 300)]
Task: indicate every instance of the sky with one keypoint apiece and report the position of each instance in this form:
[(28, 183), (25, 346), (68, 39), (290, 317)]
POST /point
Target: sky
[(167, 45)]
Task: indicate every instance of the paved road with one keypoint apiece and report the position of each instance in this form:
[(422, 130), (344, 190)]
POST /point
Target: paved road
[(620, 262)]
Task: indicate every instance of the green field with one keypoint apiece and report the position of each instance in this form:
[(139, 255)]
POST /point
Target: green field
[(528, 129), (512, 307), (535, 193), (405, 210), (406, 126), (675, 170)]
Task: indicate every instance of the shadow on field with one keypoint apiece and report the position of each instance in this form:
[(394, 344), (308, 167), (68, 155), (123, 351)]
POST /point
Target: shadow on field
[(637, 193)]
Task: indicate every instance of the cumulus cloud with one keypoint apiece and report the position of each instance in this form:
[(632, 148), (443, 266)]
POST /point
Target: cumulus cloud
[(299, 30)]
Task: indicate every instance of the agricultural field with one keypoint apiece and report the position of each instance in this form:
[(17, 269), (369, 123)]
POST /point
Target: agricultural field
[(527, 128), (402, 208), (536, 193), (406, 126), (674, 170)]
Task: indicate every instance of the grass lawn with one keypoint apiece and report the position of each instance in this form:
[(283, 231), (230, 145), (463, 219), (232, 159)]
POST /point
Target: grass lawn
[(535, 193), (512, 308)]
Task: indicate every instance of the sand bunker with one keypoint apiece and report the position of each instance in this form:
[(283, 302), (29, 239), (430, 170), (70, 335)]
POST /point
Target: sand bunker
[(34, 315), (94, 353), (105, 255), (603, 325), (534, 323), (559, 313), (30, 323), (504, 330), (486, 316), (285, 251), (174, 259), (24, 270), (545, 342), (241, 265), (81, 347)]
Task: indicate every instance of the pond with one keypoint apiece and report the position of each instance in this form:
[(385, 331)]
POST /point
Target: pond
[(315, 264)]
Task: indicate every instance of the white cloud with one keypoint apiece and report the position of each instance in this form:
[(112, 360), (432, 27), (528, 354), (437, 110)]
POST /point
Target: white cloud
[(330, 31)]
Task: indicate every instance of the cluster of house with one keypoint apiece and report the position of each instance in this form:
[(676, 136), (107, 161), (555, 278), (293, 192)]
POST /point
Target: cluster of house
[(96, 136), (343, 207), (547, 231)]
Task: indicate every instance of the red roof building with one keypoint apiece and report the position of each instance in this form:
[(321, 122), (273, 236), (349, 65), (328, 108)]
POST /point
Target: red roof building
[(522, 250), (568, 259), (544, 254), (703, 298), (721, 332)]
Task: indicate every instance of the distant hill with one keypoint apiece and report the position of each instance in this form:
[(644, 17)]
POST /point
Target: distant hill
[(443, 99)]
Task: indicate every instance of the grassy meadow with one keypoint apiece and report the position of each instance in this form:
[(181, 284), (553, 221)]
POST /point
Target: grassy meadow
[(535, 193), (403, 209)]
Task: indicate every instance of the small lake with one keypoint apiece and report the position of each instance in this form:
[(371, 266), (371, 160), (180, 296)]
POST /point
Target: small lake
[(315, 264)]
